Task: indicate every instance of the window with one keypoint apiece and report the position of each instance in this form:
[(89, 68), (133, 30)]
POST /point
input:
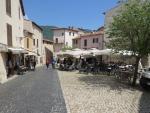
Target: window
[(76, 41), (19, 13), (34, 42), (85, 42), (27, 42), (9, 35), (37, 43), (62, 34), (69, 33), (8, 7), (66, 43), (73, 34), (93, 40), (96, 40), (37, 51), (56, 40)]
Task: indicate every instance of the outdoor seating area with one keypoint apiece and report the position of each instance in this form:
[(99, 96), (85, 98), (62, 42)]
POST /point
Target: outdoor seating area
[(96, 62), (22, 70)]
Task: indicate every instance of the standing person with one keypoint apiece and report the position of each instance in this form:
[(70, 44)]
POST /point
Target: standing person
[(31, 65), (47, 64), (28, 63), (17, 64), (34, 63), (10, 66), (53, 63)]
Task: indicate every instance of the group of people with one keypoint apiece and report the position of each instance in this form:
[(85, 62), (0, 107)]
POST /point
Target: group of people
[(88, 64), (30, 63), (50, 62)]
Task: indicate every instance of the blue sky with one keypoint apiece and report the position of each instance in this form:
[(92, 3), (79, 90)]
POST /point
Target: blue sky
[(64, 13)]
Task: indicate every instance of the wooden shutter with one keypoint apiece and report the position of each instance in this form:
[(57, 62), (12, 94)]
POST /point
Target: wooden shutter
[(8, 7), (9, 35), (37, 43), (27, 42), (85, 42), (34, 42)]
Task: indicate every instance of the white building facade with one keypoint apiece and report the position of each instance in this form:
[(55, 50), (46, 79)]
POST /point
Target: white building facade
[(11, 25), (38, 43), (63, 38)]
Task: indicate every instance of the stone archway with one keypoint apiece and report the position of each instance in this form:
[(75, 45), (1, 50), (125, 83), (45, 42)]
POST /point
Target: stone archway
[(48, 54)]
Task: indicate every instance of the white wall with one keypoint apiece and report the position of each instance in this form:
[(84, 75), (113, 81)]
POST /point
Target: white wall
[(3, 73), (58, 34), (28, 26), (68, 38), (14, 21), (17, 31), (37, 34), (65, 40)]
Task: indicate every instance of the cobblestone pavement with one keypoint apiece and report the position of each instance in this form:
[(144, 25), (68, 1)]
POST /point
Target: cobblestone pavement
[(35, 92), (101, 94)]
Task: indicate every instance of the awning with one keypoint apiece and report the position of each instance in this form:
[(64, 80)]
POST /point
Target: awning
[(104, 52), (74, 53), (31, 54), (17, 50)]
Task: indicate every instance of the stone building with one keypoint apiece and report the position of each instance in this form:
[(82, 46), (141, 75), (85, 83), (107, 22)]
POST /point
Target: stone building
[(109, 19), (48, 49), (11, 25), (89, 40), (38, 43), (33, 41), (63, 38)]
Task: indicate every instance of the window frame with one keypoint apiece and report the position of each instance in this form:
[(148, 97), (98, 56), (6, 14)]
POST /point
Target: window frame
[(97, 40), (93, 40), (9, 35), (66, 44), (69, 33), (19, 13), (85, 43), (76, 41), (8, 7), (34, 42), (37, 43), (56, 40), (28, 43)]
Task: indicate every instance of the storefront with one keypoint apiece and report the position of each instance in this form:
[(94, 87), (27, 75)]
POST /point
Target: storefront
[(30, 59), (15, 58)]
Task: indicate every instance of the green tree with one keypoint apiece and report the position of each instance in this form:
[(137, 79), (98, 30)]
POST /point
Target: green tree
[(130, 30)]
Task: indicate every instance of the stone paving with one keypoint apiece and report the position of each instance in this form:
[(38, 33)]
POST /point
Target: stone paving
[(34, 92), (85, 93)]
